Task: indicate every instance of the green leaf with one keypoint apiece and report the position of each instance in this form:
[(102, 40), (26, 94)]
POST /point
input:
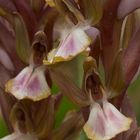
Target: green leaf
[(82, 136), (64, 107)]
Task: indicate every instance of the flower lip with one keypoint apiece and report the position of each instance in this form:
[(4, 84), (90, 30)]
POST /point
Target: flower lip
[(72, 43), (105, 122), (30, 83), (19, 135)]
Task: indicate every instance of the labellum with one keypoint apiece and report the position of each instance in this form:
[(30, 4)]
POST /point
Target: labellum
[(19, 135), (29, 83), (105, 122), (72, 43)]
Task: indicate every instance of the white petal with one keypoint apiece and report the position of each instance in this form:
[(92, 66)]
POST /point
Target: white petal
[(29, 83), (105, 122), (96, 124), (74, 43), (19, 136), (116, 120), (77, 41)]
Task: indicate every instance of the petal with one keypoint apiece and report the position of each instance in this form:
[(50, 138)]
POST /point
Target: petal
[(72, 44), (95, 126), (105, 123), (19, 136), (29, 83), (115, 120)]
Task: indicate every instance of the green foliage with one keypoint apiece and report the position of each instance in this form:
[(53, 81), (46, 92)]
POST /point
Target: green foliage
[(3, 129), (134, 94), (64, 107)]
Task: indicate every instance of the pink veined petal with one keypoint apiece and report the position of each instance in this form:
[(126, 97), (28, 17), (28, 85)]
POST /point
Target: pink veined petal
[(29, 83), (105, 122), (74, 43), (96, 124), (115, 120), (19, 136)]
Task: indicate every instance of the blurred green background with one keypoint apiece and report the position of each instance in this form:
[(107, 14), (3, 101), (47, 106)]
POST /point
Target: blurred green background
[(133, 91)]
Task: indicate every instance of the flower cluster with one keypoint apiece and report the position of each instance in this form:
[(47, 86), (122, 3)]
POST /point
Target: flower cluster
[(68, 43)]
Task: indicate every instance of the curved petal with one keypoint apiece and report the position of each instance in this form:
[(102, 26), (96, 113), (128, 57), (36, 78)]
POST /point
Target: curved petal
[(72, 44), (95, 126), (19, 136), (115, 120), (29, 83), (105, 122)]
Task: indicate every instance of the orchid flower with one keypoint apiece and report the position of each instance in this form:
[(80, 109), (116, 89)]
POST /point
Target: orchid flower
[(105, 121), (103, 115), (68, 44), (30, 83)]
